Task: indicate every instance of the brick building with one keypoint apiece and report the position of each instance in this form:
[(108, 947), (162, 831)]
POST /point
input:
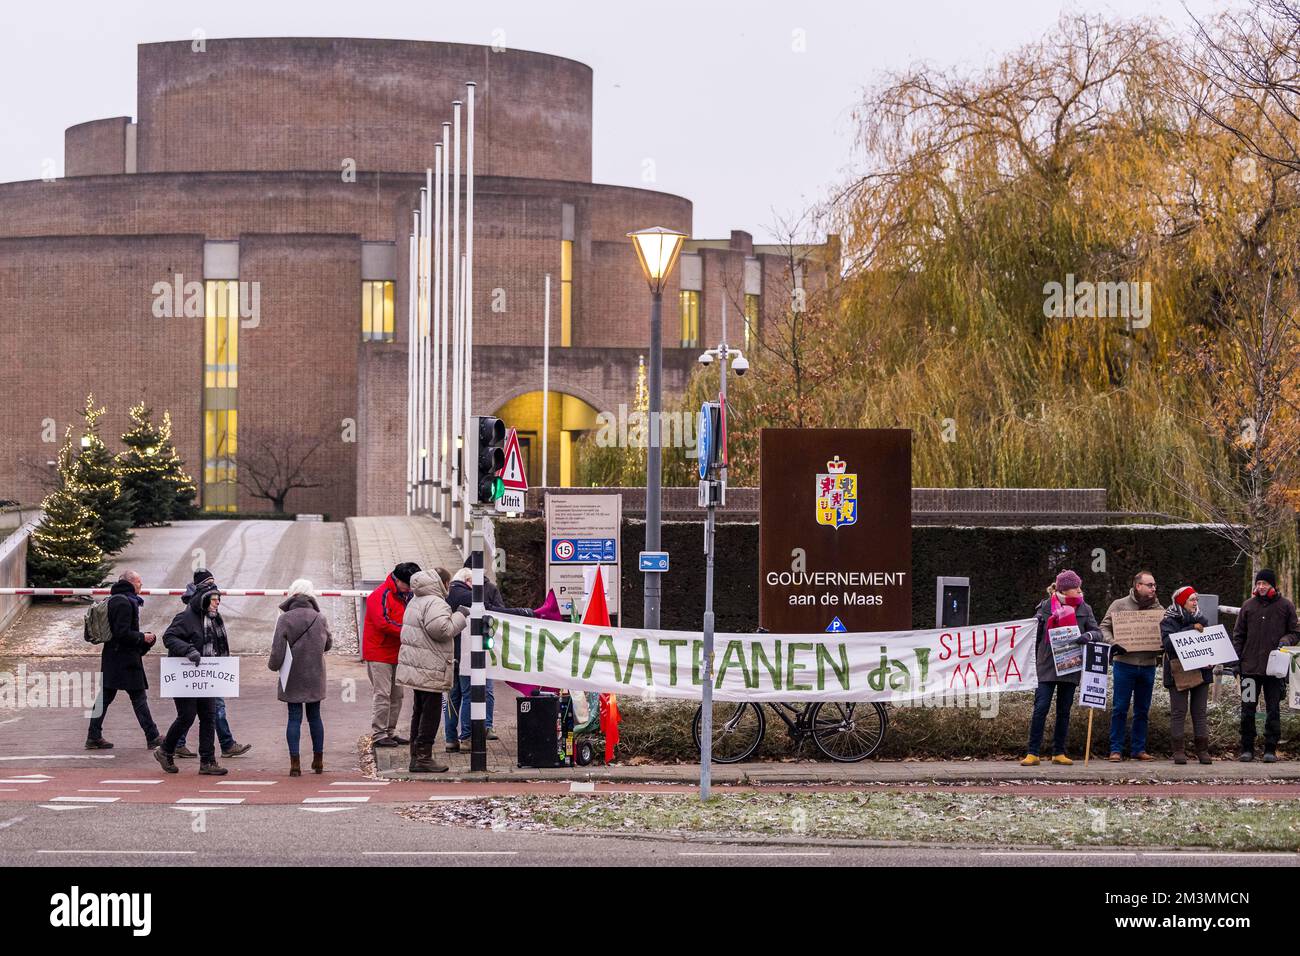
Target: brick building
[(284, 171)]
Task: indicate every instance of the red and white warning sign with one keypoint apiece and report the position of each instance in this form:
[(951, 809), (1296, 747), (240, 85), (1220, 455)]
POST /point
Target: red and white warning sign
[(513, 479)]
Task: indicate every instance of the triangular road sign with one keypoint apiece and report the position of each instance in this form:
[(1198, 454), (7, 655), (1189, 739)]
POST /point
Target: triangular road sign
[(512, 473)]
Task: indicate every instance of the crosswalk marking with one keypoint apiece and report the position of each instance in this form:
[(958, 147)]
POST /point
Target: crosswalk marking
[(336, 799), (246, 783), (210, 800), (61, 806), (327, 809), (132, 781), (107, 790), (85, 799), (360, 783)]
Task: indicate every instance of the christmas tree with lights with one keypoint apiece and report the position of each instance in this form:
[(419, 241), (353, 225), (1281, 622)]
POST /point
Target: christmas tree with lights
[(152, 472), (90, 475), (62, 551)]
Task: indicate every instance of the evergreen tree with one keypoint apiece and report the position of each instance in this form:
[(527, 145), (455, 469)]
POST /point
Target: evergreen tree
[(62, 550), (151, 471), (184, 490), (91, 477)]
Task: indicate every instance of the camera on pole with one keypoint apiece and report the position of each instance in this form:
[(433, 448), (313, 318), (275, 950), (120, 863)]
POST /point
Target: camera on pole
[(487, 456)]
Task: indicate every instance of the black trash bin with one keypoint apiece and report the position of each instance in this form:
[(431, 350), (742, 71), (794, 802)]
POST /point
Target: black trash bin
[(545, 725)]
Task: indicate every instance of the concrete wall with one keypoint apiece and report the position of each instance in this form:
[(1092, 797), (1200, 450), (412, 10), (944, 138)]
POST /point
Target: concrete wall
[(13, 573)]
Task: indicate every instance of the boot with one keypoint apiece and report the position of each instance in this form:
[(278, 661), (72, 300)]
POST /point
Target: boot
[(317, 763), (423, 761), (1180, 757), (164, 758), (210, 768), (1203, 749), (295, 768), (99, 743)]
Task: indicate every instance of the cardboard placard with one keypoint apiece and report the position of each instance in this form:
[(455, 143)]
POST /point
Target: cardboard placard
[(1138, 630)]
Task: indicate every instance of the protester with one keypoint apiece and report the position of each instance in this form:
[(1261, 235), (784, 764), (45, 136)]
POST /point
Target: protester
[(1063, 607), (381, 639), (1184, 614), (1266, 623), (122, 663), (230, 747), (427, 663), (1134, 672), (195, 633), (461, 598), (302, 638)]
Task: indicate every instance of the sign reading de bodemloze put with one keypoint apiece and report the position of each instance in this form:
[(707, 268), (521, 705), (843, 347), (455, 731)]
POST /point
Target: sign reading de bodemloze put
[(835, 529)]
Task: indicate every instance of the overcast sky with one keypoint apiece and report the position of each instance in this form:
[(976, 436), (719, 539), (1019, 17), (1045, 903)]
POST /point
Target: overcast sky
[(716, 94)]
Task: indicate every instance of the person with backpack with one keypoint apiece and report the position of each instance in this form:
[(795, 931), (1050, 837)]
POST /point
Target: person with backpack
[(302, 638), (230, 747), (115, 624)]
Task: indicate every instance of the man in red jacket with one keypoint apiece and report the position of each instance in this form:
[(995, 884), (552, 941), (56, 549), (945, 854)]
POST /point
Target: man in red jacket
[(381, 639)]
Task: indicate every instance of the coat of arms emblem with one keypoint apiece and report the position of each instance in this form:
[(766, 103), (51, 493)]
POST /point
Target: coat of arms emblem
[(837, 495)]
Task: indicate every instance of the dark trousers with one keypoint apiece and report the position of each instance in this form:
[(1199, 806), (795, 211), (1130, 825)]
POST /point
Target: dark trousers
[(1042, 703), (1178, 704), (187, 708), (424, 717), (293, 732), (1271, 690), (139, 703)]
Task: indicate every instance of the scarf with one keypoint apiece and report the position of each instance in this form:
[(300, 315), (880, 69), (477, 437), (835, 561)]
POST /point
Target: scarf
[(1062, 615), (214, 636)]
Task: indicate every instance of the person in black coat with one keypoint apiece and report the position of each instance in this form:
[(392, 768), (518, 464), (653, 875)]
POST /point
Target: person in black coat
[(122, 663), (230, 747), (196, 632)]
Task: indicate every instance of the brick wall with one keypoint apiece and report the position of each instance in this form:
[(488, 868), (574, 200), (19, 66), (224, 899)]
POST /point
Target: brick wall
[(95, 148)]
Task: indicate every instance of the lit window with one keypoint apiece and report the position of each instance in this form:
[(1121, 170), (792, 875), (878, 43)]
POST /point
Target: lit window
[(690, 319), (751, 318), (220, 387), (566, 292), (377, 311)]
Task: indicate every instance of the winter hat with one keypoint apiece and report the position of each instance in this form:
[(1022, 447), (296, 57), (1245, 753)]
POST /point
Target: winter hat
[(405, 571), (201, 575), (1183, 595), (302, 586), (1067, 579), (1266, 574)]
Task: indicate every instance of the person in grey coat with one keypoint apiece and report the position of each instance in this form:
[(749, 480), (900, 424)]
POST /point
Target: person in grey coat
[(302, 638), (427, 661)]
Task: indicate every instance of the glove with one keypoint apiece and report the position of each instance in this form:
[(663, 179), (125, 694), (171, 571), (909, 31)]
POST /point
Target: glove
[(194, 657), (1117, 649)]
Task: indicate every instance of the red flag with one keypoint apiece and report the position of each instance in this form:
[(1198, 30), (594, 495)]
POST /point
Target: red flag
[(597, 614)]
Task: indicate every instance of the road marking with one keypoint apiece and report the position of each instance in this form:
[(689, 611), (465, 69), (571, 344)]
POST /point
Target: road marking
[(468, 796), (85, 799), (210, 799), (577, 787), (246, 783), (753, 853), (32, 776), (8, 789), (336, 799), (63, 757), (11, 720), (442, 853), (127, 852), (198, 809), (132, 781), (327, 809), (229, 791), (22, 780), (105, 790), (1054, 853), (361, 783), (5, 824), (1221, 855), (60, 806)]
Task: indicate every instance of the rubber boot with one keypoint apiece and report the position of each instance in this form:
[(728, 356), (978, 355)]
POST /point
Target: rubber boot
[(317, 763), (1203, 749), (295, 767), (1179, 756)]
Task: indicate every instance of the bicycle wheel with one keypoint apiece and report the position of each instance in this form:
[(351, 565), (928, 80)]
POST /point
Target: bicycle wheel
[(848, 732), (737, 730)]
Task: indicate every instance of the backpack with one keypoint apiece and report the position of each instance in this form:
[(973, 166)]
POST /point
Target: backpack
[(95, 629)]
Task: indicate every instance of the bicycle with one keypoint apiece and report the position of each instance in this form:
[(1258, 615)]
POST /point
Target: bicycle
[(844, 731)]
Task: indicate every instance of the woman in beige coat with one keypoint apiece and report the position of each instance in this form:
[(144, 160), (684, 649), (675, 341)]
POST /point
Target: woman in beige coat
[(427, 661)]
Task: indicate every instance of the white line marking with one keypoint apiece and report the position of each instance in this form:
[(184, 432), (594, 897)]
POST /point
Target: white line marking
[(198, 809), (32, 776), (105, 790), (361, 783), (1214, 854), (85, 799), (754, 853), (63, 757), (210, 800), (327, 809), (23, 780), (441, 853), (336, 799), (8, 789), (132, 781), (579, 787), (60, 806), (230, 791), (1053, 853), (11, 720), (245, 783), (5, 824), (127, 852)]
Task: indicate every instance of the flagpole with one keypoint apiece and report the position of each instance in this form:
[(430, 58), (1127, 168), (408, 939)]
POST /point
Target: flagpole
[(467, 293), (435, 447), (444, 492), (546, 373), (410, 365)]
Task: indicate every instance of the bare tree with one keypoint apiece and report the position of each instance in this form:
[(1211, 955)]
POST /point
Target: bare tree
[(274, 462)]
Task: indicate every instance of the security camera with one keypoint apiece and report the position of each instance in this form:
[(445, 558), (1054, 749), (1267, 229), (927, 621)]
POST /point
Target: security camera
[(740, 365), (706, 358)]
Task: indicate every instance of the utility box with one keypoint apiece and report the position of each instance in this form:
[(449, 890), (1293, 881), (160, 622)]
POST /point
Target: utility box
[(951, 602)]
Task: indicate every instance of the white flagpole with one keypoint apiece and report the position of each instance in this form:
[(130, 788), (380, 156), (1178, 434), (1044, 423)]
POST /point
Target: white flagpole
[(467, 295), (448, 448), (458, 402), (435, 501), (410, 365), (546, 374)]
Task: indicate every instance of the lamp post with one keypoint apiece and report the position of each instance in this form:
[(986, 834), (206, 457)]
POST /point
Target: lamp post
[(657, 249)]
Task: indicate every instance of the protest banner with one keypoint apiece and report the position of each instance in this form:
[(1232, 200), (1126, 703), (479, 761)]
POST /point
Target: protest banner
[(211, 677), (1203, 648), (884, 666), (1138, 630)]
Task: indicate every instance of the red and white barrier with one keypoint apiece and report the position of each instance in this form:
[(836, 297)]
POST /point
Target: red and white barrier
[(233, 592)]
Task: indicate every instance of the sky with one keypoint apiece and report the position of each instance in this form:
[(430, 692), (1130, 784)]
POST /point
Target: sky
[(742, 107)]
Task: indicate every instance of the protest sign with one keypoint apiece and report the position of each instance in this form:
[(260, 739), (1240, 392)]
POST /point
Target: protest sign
[(211, 677), (1203, 648), (1096, 676), (1138, 630), (1067, 652)]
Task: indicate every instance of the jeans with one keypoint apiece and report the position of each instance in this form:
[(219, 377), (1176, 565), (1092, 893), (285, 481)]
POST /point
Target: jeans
[(425, 711), (139, 702), (187, 708), (1271, 689), (223, 726), (1042, 702), (1132, 682), (451, 708), (465, 724), (293, 732)]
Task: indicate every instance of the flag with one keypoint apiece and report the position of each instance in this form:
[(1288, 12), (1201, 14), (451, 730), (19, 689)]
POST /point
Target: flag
[(598, 615)]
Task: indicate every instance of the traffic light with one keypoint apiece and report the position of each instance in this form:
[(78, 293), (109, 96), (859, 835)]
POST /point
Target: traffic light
[(488, 458)]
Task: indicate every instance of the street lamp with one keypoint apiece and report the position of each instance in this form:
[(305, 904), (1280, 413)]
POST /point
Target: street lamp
[(657, 249)]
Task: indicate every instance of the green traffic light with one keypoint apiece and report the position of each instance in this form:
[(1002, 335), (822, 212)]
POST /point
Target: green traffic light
[(498, 488)]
